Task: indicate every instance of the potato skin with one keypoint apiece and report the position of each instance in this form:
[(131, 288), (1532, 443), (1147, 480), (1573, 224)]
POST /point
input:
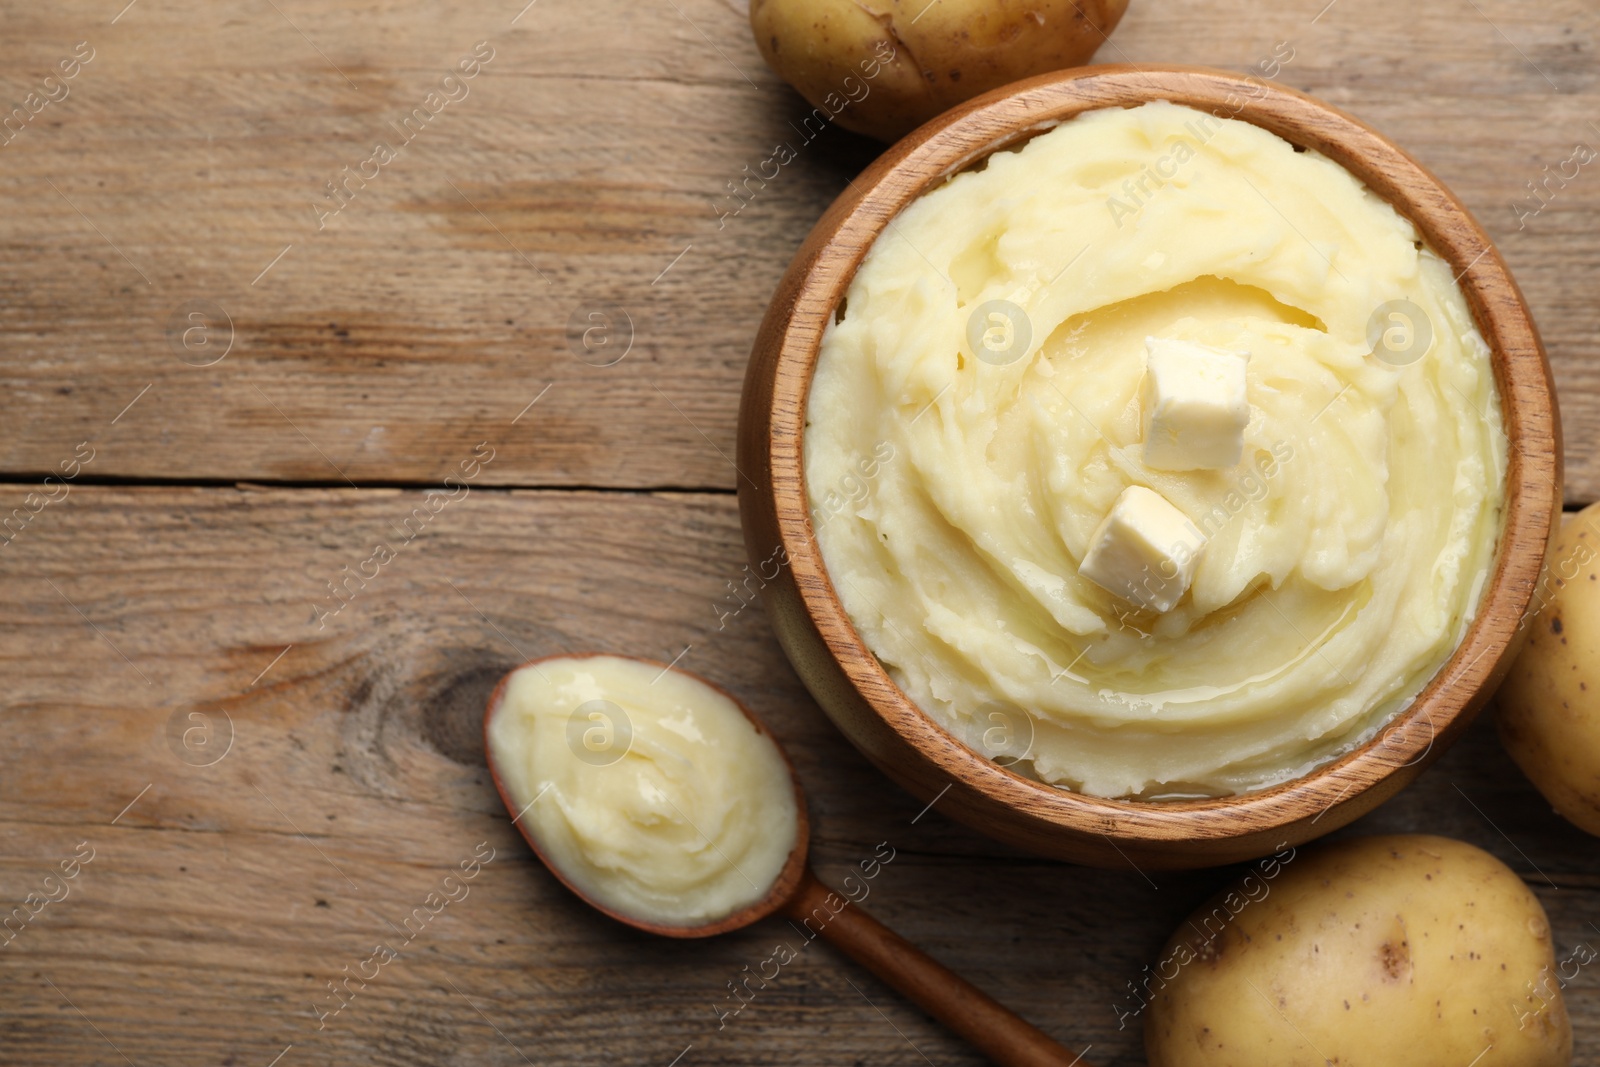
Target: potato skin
[(929, 56), (1372, 952), (1549, 704)]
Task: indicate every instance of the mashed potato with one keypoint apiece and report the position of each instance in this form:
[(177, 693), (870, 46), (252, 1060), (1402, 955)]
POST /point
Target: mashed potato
[(993, 344), (646, 788)]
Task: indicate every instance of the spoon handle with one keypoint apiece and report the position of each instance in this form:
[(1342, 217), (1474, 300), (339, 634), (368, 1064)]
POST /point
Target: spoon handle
[(1003, 1036)]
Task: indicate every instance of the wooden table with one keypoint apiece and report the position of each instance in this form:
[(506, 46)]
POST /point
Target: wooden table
[(270, 787)]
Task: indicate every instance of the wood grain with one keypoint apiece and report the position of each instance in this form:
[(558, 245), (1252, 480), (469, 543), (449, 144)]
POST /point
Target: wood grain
[(597, 146), (1004, 1038), (207, 926), (594, 148)]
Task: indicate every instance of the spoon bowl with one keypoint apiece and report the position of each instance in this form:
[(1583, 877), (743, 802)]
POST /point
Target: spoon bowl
[(1004, 1037), (789, 880)]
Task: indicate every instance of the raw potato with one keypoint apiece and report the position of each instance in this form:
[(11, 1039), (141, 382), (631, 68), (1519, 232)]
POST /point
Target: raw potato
[(884, 67), (1372, 952), (1550, 702)]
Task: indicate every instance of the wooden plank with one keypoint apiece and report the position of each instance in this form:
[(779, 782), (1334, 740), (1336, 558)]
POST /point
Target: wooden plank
[(591, 153), (221, 899)]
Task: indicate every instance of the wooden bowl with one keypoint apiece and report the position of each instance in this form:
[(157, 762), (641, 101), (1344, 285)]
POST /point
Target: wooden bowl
[(850, 683)]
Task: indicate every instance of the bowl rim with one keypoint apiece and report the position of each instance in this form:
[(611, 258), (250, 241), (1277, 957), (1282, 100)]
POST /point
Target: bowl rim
[(820, 276)]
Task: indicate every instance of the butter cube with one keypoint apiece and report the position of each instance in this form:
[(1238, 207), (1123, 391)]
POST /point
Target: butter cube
[(1195, 406), (1145, 551)]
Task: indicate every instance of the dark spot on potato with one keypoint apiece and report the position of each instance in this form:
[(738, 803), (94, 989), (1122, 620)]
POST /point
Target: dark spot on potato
[(1395, 959)]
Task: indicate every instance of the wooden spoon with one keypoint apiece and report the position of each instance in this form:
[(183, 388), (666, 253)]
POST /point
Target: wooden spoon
[(1004, 1037)]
